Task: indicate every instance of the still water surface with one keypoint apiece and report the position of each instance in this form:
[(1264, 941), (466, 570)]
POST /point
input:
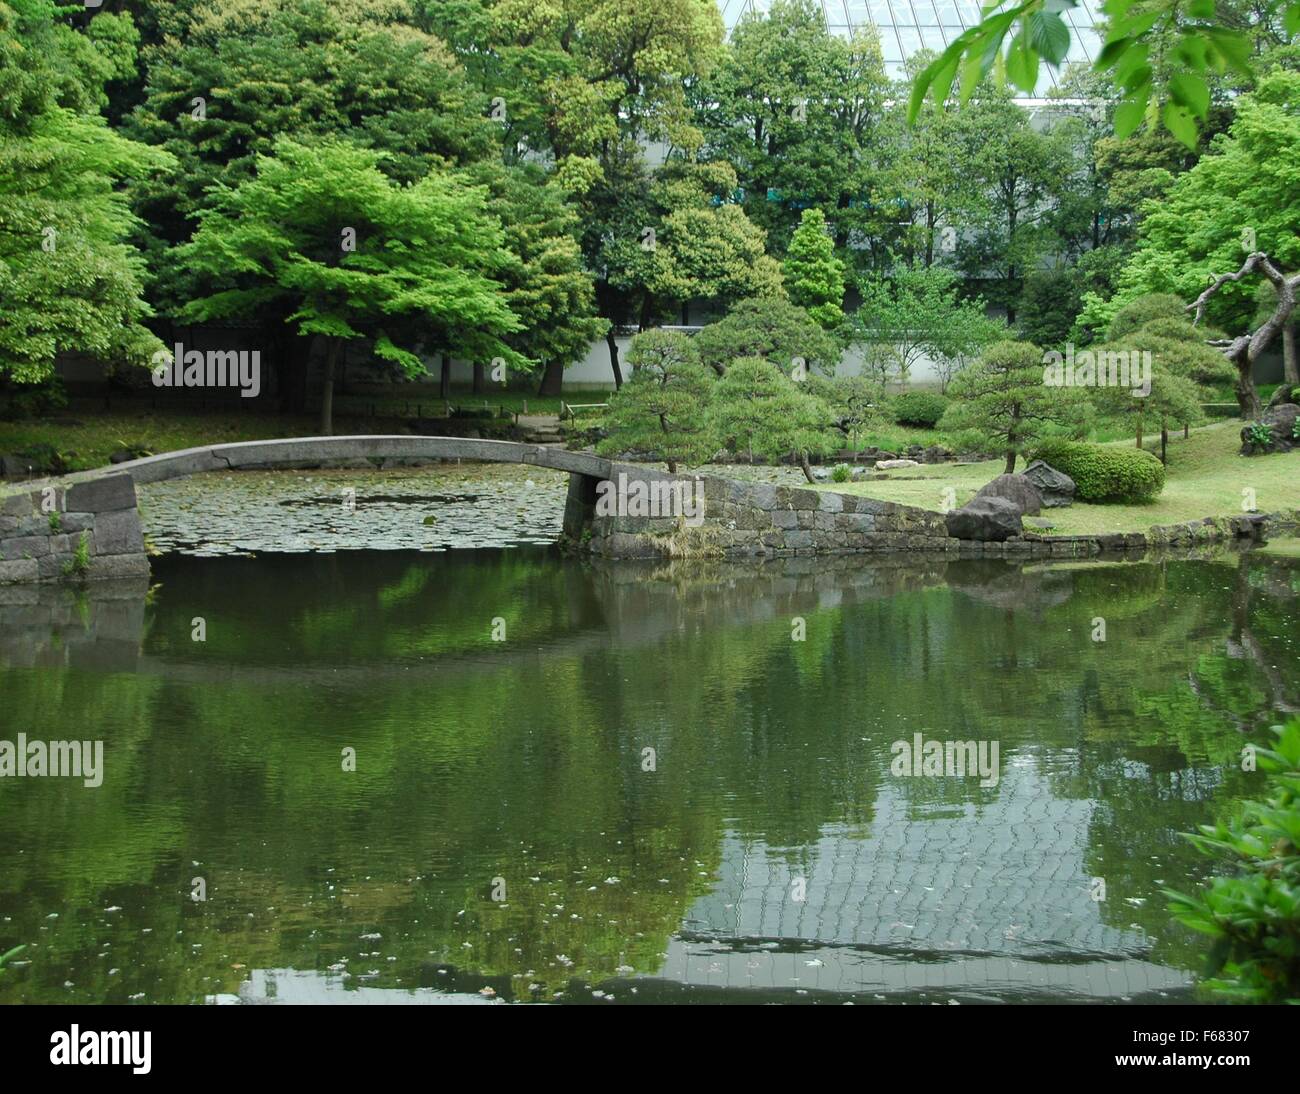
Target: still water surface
[(769, 852)]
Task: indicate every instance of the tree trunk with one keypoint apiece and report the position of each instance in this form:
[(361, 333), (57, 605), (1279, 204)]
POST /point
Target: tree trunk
[(1011, 462), (327, 388), (478, 377), (293, 376), (807, 469), (612, 342), (1290, 368), (1139, 430), (444, 377), (552, 379), (1247, 396), (672, 466), (1164, 441)]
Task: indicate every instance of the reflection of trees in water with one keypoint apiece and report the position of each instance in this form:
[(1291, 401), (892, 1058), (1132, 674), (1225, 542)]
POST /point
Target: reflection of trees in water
[(523, 759)]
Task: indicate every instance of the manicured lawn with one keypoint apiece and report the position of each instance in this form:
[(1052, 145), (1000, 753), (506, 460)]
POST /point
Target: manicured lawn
[(1205, 478)]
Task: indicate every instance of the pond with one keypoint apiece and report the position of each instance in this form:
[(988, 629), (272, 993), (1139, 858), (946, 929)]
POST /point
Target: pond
[(499, 774)]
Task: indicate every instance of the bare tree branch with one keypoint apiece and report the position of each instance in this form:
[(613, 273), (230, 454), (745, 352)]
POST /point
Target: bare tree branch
[(1252, 345), (1246, 349)]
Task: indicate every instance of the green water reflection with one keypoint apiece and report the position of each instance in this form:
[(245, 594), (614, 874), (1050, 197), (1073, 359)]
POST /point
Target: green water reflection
[(770, 853)]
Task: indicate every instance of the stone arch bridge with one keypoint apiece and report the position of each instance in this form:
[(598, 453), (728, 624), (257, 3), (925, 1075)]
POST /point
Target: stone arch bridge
[(86, 525)]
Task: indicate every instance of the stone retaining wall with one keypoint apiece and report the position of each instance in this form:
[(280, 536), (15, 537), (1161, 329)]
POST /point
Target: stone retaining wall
[(88, 530), (743, 519)]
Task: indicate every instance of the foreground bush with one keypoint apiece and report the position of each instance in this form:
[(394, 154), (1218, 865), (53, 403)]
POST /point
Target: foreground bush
[(1103, 473), (1254, 915), (923, 408)]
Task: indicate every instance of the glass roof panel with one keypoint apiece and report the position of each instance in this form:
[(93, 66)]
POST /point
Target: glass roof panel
[(898, 21)]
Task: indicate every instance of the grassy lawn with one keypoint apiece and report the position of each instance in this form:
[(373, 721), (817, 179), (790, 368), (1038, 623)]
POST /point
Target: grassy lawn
[(1205, 478)]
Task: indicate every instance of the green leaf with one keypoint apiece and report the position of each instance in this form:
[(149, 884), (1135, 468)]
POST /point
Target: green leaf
[(1291, 19), (1129, 114), (1201, 9), (1022, 63), (1136, 78), (1049, 35), (1132, 60), (1190, 91), (1232, 45), (1112, 51), (1180, 123)]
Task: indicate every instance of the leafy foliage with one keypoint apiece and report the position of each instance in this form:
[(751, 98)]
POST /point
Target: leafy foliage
[(423, 268), (771, 328), (763, 412), (1103, 473), (814, 277), (70, 280), (1161, 54), (1243, 195), (1001, 402), (918, 314), (1253, 914), (664, 407), (923, 408)]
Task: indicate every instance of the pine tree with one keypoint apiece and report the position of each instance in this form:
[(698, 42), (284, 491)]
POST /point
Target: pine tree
[(664, 406), (766, 413), (1002, 402), (814, 277)]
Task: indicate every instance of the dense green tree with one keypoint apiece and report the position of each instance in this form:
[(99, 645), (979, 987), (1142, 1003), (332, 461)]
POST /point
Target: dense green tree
[(1015, 174), (320, 234), (1240, 200), (586, 83), (70, 280), (918, 314), (664, 406), (1001, 402), (797, 110), (1183, 369), (546, 286), (771, 328), (857, 403), (925, 186), (247, 72), (814, 277), (765, 413)]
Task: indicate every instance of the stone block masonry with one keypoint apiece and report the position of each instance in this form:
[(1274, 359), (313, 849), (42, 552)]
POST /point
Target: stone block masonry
[(746, 520), (88, 530)]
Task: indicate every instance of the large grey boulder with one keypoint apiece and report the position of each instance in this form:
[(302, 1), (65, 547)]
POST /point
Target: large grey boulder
[(1281, 420), (1056, 488), (1016, 489), (989, 519)]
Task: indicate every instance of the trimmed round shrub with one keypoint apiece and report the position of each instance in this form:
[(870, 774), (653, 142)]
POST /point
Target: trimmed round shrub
[(1105, 473), (923, 408)]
